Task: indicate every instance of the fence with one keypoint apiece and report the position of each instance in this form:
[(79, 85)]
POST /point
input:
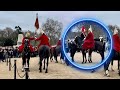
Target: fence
[(9, 64)]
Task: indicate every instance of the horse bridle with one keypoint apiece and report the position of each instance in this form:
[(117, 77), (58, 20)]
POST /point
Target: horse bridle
[(26, 46)]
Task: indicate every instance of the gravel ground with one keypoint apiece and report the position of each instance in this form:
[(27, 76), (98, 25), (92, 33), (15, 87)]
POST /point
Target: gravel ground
[(57, 70)]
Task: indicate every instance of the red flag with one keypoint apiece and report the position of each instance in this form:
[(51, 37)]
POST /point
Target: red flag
[(37, 22)]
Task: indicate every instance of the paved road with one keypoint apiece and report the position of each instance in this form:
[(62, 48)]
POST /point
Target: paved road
[(56, 70)]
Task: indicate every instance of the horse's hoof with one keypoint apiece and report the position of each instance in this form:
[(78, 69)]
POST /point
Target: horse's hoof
[(108, 75), (119, 73), (112, 70), (92, 71), (89, 62), (22, 70), (67, 64), (56, 62), (46, 71), (43, 68), (40, 71), (28, 70), (82, 62), (85, 61), (105, 74)]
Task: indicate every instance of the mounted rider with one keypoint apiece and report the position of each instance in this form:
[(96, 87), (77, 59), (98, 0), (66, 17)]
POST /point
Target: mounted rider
[(43, 39), (59, 42), (116, 50), (27, 36), (89, 40), (116, 40)]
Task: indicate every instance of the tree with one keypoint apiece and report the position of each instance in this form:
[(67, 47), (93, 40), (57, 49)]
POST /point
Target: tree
[(53, 29), (112, 27), (8, 42), (8, 32)]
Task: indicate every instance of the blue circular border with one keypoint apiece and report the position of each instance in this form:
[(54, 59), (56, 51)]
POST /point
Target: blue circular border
[(68, 58)]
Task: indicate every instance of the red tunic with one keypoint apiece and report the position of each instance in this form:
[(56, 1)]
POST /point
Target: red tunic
[(116, 42), (89, 41), (22, 46), (44, 40), (59, 43)]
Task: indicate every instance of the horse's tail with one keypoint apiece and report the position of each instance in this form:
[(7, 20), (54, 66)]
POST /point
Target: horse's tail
[(44, 52)]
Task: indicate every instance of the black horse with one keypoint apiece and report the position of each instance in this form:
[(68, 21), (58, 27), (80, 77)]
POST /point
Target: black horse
[(77, 44), (115, 56), (99, 46), (44, 54), (25, 55), (55, 52)]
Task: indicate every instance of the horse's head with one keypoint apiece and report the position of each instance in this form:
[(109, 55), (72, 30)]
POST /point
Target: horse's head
[(78, 41), (26, 45)]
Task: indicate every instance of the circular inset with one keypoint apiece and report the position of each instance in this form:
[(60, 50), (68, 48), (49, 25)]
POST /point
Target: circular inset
[(105, 29)]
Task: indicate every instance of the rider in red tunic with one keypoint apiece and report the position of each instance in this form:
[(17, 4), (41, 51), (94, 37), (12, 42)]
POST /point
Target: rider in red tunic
[(44, 40), (116, 41), (89, 40), (59, 42), (27, 36)]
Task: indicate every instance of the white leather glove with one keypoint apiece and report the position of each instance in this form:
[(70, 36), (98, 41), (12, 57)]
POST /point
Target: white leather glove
[(84, 39)]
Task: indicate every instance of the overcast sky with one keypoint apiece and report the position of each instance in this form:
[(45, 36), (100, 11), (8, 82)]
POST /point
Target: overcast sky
[(26, 19)]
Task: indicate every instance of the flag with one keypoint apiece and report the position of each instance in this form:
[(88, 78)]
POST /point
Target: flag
[(37, 22)]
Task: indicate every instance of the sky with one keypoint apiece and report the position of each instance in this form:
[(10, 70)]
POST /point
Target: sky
[(26, 19)]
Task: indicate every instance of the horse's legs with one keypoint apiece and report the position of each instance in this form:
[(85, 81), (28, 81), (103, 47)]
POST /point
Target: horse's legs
[(23, 64), (51, 58), (47, 66), (84, 56), (28, 62), (55, 55), (89, 56), (112, 65), (44, 64), (73, 58), (106, 66), (62, 57), (40, 67), (51, 55), (119, 67), (56, 58)]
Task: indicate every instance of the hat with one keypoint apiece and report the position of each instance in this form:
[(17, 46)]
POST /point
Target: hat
[(59, 38), (27, 34), (83, 29), (90, 29), (115, 31)]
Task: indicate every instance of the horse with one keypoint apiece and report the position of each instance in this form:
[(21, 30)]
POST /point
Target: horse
[(26, 55), (116, 56), (99, 46), (44, 54), (55, 52)]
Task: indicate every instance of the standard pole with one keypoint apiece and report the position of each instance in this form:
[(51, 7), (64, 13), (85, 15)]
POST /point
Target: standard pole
[(14, 69), (9, 64)]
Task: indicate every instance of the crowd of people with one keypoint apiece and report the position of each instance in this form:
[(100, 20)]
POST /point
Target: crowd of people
[(8, 52)]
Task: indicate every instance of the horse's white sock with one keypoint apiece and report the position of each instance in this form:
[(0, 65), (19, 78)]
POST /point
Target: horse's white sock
[(107, 72), (111, 67)]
